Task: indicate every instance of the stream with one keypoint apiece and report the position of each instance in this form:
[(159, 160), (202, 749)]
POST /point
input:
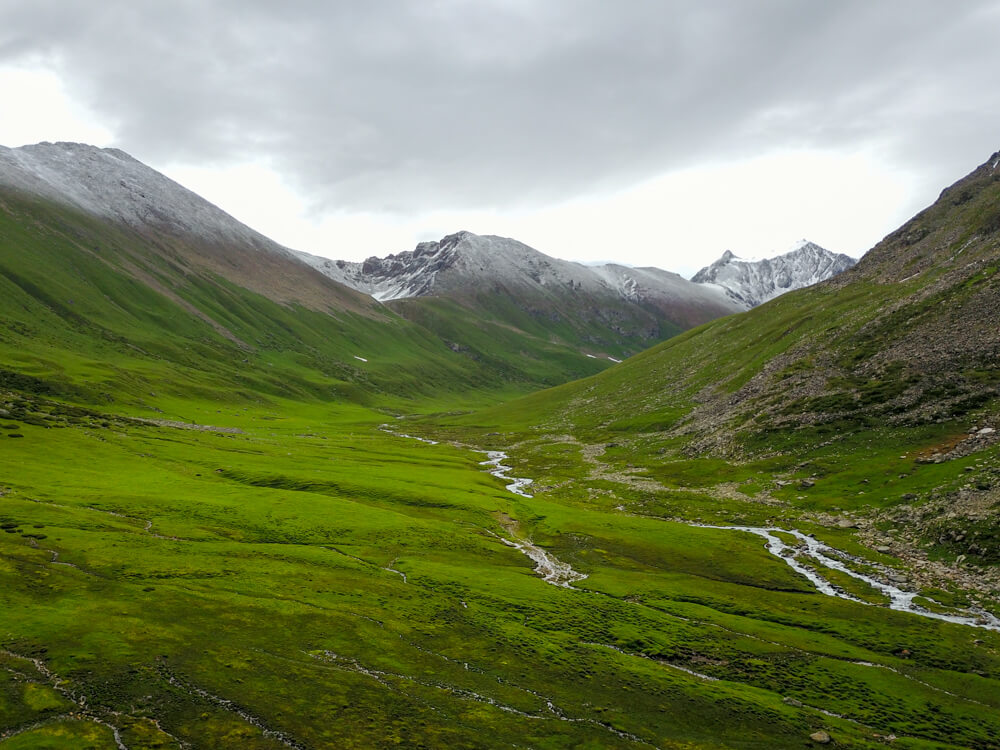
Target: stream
[(561, 574), (517, 484), (832, 558), (547, 566)]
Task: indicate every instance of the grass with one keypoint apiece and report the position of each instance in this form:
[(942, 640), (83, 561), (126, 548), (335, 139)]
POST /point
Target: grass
[(261, 570)]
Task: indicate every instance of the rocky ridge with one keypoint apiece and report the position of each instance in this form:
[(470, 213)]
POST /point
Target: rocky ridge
[(754, 282), (464, 264)]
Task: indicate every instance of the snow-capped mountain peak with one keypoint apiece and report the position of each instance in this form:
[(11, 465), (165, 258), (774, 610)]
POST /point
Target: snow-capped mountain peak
[(755, 282), (463, 265)]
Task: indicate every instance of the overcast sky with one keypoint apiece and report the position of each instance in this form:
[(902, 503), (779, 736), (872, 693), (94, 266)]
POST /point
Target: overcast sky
[(654, 132)]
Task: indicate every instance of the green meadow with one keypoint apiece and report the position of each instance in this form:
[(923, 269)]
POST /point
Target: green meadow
[(314, 581)]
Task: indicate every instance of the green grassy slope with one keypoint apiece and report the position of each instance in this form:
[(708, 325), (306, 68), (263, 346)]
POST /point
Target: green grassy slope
[(99, 313), (557, 317), (542, 338), (504, 340)]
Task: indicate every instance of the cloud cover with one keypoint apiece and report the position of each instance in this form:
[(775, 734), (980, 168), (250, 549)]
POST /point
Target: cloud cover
[(402, 107)]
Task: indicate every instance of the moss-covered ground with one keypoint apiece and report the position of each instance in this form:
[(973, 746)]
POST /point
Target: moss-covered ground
[(313, 581)]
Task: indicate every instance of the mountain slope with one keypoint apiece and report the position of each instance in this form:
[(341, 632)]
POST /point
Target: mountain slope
[(116, 283), (756, 282), (110, 185), (503, 286), (827, 400), (907, 335)]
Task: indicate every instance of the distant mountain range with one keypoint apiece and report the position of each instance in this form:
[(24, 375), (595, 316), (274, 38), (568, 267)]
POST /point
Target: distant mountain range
[(605, 309), (754, 282), (461, 262), (634, 305), (512, 313)]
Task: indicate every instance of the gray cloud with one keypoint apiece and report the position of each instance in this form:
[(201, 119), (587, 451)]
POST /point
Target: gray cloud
[(406, 106)]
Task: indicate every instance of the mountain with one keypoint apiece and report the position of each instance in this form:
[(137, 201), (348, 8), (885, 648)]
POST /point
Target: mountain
[(906, 337), (110, 185), (503, 286), (116, 282), (756, 282)]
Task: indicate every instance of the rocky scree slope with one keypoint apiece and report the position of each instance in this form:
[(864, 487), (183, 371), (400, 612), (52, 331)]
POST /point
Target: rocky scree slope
[(609, 308), (754, 282)]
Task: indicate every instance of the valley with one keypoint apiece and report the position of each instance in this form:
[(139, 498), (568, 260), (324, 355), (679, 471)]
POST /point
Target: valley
[(242, 516)]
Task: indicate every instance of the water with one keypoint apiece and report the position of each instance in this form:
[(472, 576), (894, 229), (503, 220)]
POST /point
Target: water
[(829, 557), (517, 484)]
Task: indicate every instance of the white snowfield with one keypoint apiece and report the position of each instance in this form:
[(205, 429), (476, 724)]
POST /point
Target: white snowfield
[(754, 282), (109, 183), (464, 260)]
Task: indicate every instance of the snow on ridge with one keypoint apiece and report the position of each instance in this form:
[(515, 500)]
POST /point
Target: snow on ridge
[(756, 282), (462, 261), (108, 182)]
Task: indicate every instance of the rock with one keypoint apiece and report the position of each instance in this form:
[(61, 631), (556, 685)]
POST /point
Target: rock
[(986, 431), (806, 484), (821, 737), (882, 549), (792, 702), (846, 523)]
